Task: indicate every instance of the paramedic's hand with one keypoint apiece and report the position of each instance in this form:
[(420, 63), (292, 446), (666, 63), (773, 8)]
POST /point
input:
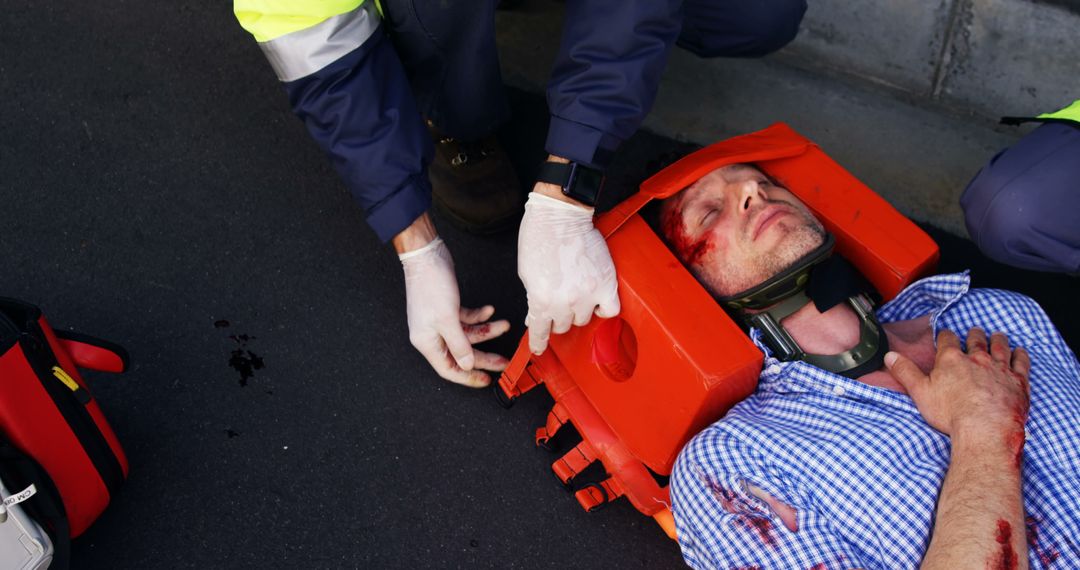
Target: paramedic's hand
[(565, 266), (981, 391), (439, 327)]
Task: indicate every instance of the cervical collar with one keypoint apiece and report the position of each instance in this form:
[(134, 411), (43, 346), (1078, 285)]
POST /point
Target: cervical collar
[(826, 279)]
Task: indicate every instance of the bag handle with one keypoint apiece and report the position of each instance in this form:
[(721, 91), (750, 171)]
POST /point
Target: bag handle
[(93, 353)]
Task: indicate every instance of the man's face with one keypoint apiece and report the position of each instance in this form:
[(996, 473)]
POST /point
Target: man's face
[(735, 229)]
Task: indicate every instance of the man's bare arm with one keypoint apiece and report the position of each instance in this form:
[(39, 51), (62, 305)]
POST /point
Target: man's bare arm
[(980, 400), (980, 513)]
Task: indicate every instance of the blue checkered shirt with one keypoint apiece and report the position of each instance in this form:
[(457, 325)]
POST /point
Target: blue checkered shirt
[(859, 464)]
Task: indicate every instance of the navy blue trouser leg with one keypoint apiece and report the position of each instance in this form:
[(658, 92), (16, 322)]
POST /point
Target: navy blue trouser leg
[(448, 49), (1021, 208), (739, 28)]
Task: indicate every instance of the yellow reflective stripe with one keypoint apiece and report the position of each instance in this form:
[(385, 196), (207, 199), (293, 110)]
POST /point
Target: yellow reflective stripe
[(269, 19), (63, 377), (306, 51), (1071, 113)]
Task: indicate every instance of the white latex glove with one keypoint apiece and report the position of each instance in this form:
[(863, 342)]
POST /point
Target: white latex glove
[(566, 268), (439, 327)]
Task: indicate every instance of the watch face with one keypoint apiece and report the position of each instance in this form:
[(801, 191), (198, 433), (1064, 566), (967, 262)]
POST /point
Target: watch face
[(586, 183)]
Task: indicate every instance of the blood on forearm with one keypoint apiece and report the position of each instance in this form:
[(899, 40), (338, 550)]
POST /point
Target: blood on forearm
[(980, 512)]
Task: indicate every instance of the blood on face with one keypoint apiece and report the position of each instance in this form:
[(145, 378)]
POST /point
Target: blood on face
[(690, 250)]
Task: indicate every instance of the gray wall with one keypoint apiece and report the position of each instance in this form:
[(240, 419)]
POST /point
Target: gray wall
[(987, 57)]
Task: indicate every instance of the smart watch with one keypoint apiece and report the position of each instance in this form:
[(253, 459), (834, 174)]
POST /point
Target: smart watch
[(576, 180)]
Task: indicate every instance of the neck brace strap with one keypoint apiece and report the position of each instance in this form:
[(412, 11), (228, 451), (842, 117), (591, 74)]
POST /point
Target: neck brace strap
[(826, 280)]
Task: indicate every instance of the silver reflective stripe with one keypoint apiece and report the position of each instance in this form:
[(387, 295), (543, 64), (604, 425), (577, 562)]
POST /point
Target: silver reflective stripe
[(306, 51)]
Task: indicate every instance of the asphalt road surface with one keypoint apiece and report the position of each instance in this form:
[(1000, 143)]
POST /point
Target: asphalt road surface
[(157, 192)]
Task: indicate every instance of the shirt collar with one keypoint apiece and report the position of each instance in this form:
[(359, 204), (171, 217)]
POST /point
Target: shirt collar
[(933, 295)]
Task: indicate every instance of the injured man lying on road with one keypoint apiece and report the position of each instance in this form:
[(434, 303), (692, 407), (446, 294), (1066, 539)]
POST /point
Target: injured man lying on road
[(941, 430)]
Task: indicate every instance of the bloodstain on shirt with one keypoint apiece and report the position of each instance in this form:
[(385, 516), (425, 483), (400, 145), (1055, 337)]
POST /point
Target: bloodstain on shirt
[(1007, 558), (758, 524), (725, 497), (763, 527), (1046, 556), (819, 566)]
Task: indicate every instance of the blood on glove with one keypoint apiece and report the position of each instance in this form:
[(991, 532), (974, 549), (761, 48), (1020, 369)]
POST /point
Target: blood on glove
[(439, 327)]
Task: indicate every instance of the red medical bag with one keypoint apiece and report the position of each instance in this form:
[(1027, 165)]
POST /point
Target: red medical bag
[(48, 414), (638, 386)]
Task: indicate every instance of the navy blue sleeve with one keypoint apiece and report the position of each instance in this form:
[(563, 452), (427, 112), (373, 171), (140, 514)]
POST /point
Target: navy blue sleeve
[(361, 111), (607, 72)]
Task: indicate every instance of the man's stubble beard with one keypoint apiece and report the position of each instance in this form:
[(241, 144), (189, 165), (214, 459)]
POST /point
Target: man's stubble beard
[(802, 238)]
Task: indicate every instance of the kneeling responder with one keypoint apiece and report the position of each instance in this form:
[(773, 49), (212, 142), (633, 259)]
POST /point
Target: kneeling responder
[(1019, 207), (366, 77)]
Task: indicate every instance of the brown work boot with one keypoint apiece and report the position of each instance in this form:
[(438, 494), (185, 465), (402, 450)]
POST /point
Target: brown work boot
[(473, 183)]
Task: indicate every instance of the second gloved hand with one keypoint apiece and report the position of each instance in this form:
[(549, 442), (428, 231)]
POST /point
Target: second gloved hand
[(566, 268), (439, 327)]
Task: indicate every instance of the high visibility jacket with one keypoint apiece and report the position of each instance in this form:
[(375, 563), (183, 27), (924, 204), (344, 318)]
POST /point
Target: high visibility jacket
[(346, 82), (1070, 113)]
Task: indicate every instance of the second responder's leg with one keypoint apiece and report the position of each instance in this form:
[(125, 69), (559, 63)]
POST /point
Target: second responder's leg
[(1021, 208), (606, 74), (734, 28), (449, 52)]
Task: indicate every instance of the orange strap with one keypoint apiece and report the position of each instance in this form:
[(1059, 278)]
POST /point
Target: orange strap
[(596, 495), (556, 419), (518, 377), (575, 461)]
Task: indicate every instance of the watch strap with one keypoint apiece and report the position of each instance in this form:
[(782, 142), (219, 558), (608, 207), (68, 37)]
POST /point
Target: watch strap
[(576, 180), (557, 173)]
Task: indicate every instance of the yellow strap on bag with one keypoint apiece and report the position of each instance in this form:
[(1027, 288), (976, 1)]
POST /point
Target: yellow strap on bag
[(65, 378)]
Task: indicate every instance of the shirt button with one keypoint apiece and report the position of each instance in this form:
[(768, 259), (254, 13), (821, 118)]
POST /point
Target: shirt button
[(773, 369), (838, 390)]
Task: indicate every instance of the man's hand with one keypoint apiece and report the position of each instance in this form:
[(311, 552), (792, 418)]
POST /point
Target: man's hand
[(565, 266), (439, 327), (980, 400), (985, 388)]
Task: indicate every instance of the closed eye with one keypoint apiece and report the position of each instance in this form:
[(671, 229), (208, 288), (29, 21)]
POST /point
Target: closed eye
[(709, 216)]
